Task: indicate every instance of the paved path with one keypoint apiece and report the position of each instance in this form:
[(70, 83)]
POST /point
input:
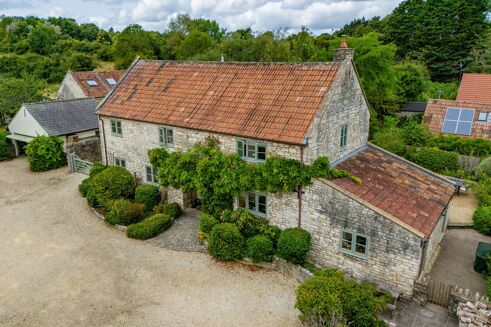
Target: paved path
[(414, 315), (62, 266), (182, 235), (461, 209), (455, 263)]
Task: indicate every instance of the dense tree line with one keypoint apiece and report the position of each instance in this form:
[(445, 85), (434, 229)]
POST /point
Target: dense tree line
[(415, 53)]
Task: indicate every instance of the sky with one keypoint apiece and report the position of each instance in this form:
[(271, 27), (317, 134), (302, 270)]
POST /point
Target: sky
[(260, 15)]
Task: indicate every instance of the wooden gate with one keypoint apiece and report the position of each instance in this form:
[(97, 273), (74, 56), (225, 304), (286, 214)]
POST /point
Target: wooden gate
[(78, 165), (439, 292)]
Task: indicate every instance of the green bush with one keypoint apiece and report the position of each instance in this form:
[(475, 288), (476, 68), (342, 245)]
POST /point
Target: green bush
[(416, 134), (293, 244), (91, 199), (485, 167), (124, 212), (149, 227), (488, 285), (391, 140), (112, 183), (260, 249), (84, 187), (172, 209), (329, 298), (4, 153), (271, 231), (226, 242), (206, 223), (96, 168), (482, 220), (247, 223), (483, 191), (434, 159), (45, 153), (463, 145), (148, 195)]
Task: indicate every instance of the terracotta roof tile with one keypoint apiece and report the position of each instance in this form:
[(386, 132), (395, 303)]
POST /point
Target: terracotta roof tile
[(103, 87), (475, 88), (411, 195), (436, 110), (269, 101)]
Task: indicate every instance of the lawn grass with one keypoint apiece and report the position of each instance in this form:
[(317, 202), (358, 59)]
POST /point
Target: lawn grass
[(105, 65)]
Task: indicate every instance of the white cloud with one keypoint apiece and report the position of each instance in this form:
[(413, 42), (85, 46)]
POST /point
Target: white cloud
[(56, 12)]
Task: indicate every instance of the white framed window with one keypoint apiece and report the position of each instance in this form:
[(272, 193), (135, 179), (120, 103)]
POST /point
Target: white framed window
[(116, 128), (92, 82), (251, 150), (343, 142), (354, 244), (151, 175), (111, 81), (119, 162), (166, 136), (255, 202), (484, 116)]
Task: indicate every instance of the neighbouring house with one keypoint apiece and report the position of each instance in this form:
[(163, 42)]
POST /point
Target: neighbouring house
[(386, 230), (469, 115), (72, 120), (89, 84)]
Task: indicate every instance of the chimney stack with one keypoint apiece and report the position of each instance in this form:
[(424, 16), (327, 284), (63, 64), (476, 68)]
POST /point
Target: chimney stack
[(343, 53)]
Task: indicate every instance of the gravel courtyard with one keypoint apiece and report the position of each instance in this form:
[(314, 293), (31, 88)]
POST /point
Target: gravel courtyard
[(61, 266)]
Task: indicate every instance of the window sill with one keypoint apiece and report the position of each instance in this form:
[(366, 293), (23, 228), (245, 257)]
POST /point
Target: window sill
[(152, 183), (352, 254), (117, 135)]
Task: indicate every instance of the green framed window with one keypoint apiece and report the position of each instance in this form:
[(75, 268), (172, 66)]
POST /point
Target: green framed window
[(354, 244), (119, 162), (251, 150), (255, 202), (343, 142), (116, 128), (151, 175), (166, 136)]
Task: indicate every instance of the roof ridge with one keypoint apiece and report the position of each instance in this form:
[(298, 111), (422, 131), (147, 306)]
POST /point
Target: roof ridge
[(460, 101), (58, 100), (299, 63)]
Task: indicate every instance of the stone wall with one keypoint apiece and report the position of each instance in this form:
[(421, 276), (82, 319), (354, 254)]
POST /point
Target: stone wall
[(69, 89), (433, 244), (89, 149), (344, 104)]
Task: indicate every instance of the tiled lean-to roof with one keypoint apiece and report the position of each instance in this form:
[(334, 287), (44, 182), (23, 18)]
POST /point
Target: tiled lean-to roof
[(408, 193), (63, 117), (436, 110), (102, 86), (268, 101), (475, 88)]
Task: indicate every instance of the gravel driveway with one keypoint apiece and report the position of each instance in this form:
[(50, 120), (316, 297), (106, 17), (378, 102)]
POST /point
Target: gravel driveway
[(61, 266)]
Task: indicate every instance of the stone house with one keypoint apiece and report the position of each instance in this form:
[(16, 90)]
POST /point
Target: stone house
[(88, 84), (74, 121), (386, 230)]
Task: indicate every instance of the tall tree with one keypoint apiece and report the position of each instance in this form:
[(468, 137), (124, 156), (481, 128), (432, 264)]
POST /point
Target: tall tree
[(15, 92)]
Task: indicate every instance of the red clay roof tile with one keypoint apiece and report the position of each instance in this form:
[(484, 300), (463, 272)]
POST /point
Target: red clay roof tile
[(414, 196), (475, 88), (268, 101), (103, 87)]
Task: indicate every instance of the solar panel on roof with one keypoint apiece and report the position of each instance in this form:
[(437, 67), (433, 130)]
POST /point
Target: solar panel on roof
[(458, 121)]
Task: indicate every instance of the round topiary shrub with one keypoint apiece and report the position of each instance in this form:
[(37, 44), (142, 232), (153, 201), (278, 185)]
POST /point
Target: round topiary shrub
[(45, 153), (124, 212), (96, 168), (293, 245), (111, 184), (84, 187), (117, 210), (482, 220), (150, 227), (271, 231), (172, 209), (226, 242), (206, 223), (148, 195), (260, 249)]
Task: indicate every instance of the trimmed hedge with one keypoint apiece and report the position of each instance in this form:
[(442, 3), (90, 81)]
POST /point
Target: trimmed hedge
[(91, 199), (84, 187), (226, 242), (124, 212), (271, 231), (4, 153), (111, 184), (172, 209), (293, 245), (260, 249), (148, 195), (247, 223), (483, 190), (485, 167), (45, 153), (434, 159), (329, 299), (463, 145), (482, 220), (149, 227), (206, 223), (96, 168)]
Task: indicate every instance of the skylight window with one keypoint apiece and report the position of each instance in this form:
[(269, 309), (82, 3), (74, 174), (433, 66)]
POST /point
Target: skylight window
[(483, 116), (458, 121), (111, 81), (92, 82)]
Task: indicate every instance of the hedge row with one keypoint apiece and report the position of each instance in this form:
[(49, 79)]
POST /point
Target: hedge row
[(4, 153), (149, 227)]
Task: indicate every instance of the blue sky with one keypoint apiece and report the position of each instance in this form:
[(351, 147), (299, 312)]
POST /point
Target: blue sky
[(260, 15)]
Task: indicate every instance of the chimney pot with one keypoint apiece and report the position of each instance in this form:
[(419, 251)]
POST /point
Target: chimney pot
[(344, 44)]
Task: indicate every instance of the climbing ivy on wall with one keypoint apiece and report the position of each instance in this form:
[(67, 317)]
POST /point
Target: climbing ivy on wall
[(219, 177)]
